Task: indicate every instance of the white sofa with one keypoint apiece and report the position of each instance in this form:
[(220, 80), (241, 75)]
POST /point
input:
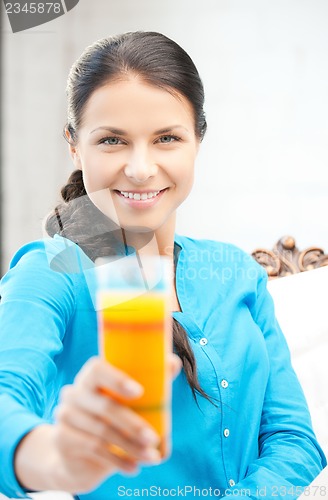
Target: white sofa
[(301, 302)]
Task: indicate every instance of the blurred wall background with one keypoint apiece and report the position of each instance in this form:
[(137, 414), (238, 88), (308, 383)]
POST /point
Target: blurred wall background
[(263, 168)]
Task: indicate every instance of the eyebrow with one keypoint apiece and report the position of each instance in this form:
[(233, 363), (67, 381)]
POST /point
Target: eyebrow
[(118, 131)]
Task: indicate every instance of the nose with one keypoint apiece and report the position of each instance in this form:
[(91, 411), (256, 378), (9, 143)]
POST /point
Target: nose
[(140, 166)]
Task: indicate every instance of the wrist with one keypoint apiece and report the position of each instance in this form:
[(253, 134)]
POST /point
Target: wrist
[(35, 460)]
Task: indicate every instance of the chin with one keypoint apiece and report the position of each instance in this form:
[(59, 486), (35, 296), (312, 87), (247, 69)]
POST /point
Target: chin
[(143, 224), (138, 229)]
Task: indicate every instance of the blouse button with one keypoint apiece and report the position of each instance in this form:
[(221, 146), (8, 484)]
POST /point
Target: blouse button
[(226, 433), (224, 384), (231, 482), (203, 341)]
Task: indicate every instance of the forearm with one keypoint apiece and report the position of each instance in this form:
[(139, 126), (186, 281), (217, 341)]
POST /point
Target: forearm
[(36, 466)]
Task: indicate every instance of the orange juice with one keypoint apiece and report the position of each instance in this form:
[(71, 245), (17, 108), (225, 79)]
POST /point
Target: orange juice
[(135, 336)]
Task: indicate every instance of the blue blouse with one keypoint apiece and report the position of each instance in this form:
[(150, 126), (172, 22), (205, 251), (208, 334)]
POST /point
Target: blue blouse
[(255, 440)]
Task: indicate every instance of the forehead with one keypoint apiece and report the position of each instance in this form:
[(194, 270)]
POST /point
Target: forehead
[(133, 102)]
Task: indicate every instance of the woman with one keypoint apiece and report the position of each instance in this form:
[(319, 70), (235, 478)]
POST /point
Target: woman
[(240, 422)]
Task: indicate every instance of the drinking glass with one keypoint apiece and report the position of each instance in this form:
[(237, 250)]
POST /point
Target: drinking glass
[(135, 332)]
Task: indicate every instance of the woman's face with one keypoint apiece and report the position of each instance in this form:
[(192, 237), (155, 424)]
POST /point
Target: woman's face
[(137, 147)]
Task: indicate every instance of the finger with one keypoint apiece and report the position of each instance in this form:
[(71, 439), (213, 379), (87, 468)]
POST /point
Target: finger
[(76, 446), (122, 418), (175, 365), (98, 428), (100, 374)]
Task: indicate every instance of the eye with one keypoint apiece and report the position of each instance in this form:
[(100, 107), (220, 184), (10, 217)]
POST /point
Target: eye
[(111, 141), (167, 139)]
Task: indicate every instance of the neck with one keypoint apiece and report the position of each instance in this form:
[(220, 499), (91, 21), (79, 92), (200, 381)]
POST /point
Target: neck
[(158, 242)]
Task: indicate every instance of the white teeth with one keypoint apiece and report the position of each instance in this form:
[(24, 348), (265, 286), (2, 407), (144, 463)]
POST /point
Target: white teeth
[(138, 196)]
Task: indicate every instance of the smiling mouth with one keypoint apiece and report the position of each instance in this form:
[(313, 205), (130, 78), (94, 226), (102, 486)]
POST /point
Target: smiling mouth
[(138, 196)]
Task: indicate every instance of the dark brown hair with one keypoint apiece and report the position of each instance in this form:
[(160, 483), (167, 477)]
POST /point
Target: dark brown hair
[(161, 62)]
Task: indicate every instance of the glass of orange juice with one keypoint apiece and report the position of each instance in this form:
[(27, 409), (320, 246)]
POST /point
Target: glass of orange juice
[(135, 332)]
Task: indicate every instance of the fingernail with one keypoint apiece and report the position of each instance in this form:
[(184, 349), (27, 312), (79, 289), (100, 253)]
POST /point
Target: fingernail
[(149, 437), (132, 388), (132, 469), (133, 472), (152, 455)]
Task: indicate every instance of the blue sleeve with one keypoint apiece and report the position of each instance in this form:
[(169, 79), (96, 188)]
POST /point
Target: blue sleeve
[(36, 305), (289, 456)]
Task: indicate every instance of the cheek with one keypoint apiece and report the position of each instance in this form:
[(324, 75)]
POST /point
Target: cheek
[(97, 173), (97, 176), (92, 182), (184, 171)]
